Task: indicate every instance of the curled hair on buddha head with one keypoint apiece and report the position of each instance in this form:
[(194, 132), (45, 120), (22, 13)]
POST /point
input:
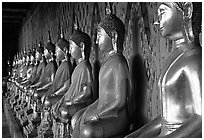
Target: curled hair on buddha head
[(78, 36), (112, 23), (50, 46), (62, 43)]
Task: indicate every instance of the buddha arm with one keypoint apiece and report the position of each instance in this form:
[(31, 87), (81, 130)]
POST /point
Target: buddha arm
[(36, 85), (192, 128), (151, 129), (63, 89), (84, 94), (113, 107), (45, 86)]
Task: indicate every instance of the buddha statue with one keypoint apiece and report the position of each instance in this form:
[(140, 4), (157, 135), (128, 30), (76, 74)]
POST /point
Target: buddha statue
[(180, 79), (22, 69), (41, 66), (108, 116), (81, 90), (60, 85), (46, 80), (30, 66), (34, 65), (62, 77)]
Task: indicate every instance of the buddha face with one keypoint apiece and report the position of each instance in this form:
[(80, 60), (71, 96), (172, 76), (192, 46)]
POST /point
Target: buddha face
[(59, 53), (170, 21), (38, 56), (32, 59), (27, 59), (103, 40), (75, 50), (47, 54)]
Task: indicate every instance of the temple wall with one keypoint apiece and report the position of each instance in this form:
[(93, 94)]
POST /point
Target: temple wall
[(144, 48)]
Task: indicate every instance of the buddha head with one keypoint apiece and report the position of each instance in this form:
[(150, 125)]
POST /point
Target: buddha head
[(28, 57), (39, 52), (110, 34), (176, 20), (32, 56), (80, 45), (24, 57), (49, 50), (62, 48)]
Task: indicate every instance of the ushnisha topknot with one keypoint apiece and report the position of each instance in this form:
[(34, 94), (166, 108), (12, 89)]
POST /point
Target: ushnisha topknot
[(50, 46)]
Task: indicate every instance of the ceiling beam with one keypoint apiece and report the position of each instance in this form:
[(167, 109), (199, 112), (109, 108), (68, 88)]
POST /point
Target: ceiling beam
[(11, 17), (14, 10), (11, 21)]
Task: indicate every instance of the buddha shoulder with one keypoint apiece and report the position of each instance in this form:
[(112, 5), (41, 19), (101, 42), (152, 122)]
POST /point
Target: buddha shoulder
[(192, 58)]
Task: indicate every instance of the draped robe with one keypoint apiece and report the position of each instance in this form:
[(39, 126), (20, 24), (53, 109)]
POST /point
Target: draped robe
[(81, 77), (40, 71), (112, 106), (50, 70)]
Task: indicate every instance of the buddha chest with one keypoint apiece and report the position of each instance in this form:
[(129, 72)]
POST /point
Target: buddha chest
[(180, 88)]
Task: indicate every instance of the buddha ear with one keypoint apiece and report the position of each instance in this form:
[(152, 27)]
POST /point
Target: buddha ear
[(65, 50), (82, 46), (114, 36), (188, 10), (114, 39)]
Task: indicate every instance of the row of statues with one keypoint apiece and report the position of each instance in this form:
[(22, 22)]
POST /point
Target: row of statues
[(59, 100)]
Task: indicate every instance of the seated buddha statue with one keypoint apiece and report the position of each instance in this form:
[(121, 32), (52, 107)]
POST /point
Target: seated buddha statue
[(34, 64), (23, 69), (41, 66), (180, 79), (81, 90), (108, 116), (62, 78), (23, 75), (29, 68), (60, 84), (47, 78)]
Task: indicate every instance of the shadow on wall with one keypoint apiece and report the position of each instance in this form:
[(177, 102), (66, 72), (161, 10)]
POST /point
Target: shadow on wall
[(138, 77)]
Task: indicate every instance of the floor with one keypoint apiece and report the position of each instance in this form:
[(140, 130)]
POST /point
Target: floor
[(5, 128)]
